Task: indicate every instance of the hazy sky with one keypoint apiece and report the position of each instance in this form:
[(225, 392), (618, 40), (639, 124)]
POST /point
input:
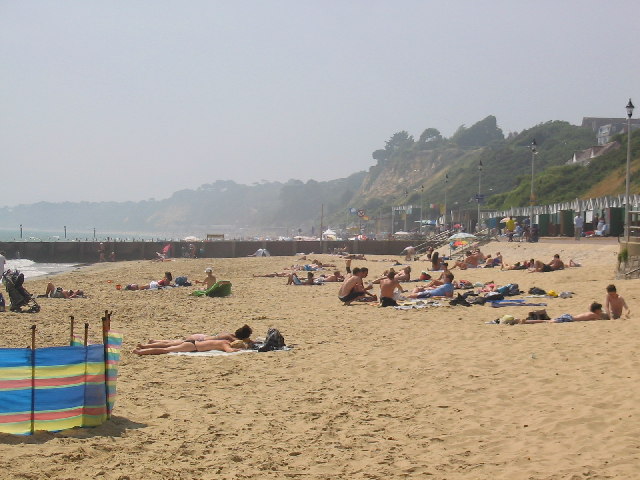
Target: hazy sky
[(131, 100)]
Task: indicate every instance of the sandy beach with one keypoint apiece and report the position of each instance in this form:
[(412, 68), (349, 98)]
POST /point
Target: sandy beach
[(366, 392)]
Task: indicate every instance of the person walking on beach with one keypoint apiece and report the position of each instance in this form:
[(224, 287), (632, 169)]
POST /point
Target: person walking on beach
[(578, 223)]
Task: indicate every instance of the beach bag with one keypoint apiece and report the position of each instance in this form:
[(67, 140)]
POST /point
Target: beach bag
[(273, 341), (493, 296), (538, 315), (537, 291), (183, 282)]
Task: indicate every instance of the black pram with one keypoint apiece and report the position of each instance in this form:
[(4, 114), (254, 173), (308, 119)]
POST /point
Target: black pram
[(13, 282)]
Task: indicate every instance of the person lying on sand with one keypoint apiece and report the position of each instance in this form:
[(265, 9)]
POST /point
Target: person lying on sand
[(336, 276), (444, 290), (243, 334), (58, 292), (594, 313), (165, 282), (524, 265), (404, 275), (190, 346), (294, 280), (471, 261)]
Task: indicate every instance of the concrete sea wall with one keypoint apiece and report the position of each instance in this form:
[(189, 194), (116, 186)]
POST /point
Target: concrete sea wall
[(89, 252)]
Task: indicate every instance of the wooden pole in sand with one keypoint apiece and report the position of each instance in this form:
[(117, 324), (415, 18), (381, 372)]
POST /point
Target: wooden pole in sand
[(106, 326), (86, 334), (71, 332), (33, 378)]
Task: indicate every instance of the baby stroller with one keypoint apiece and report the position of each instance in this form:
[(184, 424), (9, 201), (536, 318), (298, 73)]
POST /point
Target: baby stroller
[(13, 282)]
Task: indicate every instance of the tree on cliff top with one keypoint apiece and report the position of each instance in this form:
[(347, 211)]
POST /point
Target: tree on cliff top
[(480, 134)]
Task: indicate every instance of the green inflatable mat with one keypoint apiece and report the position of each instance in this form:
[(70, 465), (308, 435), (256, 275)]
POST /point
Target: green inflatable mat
[(218, 289)]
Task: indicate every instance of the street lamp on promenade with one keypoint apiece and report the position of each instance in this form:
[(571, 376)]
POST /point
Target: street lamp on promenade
[(534, 152), (627, 207), (446, 181), (479, 194)]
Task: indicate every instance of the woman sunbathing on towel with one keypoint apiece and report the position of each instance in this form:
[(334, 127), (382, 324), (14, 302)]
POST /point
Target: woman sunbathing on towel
[(190, 346), (242, 334)]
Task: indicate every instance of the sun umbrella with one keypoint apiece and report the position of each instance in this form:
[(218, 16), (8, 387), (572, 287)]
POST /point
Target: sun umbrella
[(461, 236)]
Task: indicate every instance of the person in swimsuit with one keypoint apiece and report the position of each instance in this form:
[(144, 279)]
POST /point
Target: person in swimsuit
[(353, 288), (594, 313), (388, 287), (243, 334), (189, 346)]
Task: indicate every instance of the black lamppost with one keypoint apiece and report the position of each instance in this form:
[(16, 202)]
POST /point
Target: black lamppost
[(65, 232), (627, 207)]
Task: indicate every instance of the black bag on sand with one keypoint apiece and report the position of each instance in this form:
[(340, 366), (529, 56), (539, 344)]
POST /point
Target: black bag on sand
[(274, 341), (538, 315), (537, 291)]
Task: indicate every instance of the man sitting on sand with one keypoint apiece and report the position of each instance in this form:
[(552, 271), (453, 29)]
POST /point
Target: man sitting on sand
[(353, 288), (594, 313), (209, 280), (552, 266), (388, 287), (614, 303), (444, 290), (242, 334)]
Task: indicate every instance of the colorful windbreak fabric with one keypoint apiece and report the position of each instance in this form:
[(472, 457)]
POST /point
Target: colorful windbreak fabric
[(57, 388)]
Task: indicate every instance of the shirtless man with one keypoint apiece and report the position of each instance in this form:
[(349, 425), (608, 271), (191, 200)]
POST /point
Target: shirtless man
[(209, 280), (614, 303), (404, 275), (58, 292), (444, 290), (471, 261), (556, 263), (243, 334), (553, 265), (336, 277), (594, 313), (388, 287), (353, 288)]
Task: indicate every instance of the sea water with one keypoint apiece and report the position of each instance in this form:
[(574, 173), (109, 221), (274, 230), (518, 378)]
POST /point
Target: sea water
[(32, 269)]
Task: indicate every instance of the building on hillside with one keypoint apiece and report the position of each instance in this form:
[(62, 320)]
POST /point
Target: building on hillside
[(605, 128), (583, 157)]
